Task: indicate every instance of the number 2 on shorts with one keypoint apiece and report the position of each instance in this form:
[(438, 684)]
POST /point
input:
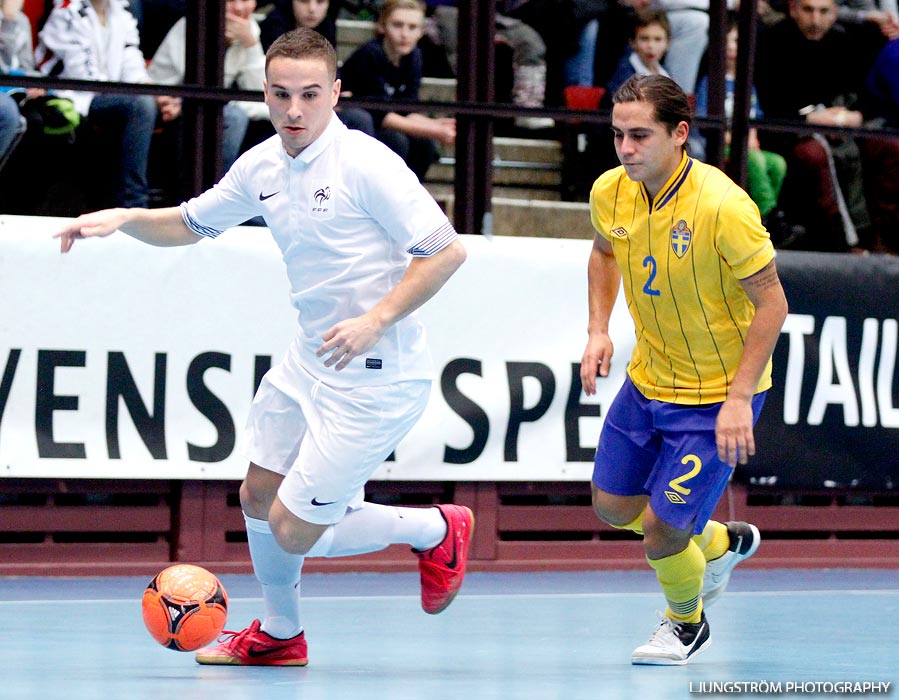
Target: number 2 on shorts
[(675, 484)]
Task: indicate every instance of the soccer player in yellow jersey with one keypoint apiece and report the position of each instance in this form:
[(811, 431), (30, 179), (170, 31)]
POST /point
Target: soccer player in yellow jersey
[(698, 273)]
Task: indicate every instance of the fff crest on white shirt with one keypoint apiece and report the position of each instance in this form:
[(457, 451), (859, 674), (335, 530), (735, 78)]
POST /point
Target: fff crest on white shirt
[(323, 204)]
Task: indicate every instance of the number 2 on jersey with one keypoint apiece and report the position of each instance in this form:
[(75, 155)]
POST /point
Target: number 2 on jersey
[(650, 262)]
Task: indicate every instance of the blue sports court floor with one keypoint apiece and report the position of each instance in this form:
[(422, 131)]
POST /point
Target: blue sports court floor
[(507, 636)]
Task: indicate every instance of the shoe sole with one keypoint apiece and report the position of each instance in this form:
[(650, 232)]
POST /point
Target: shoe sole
[(662, 661), (718, 592), (456, 592), (230, 661)]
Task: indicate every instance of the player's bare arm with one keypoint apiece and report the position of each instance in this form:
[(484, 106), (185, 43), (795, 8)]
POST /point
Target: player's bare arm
[(733, 429), (159, 227), (423, 278), (603, 279)]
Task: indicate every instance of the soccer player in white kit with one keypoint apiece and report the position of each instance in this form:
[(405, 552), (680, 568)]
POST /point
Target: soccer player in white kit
[(364, 246)]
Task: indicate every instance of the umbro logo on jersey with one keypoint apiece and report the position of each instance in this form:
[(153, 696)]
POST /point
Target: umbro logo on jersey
[(263, 197), (620, 231)]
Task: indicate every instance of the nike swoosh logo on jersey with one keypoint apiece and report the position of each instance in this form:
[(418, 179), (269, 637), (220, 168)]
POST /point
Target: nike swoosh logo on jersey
[(263, 197), (317, 502)]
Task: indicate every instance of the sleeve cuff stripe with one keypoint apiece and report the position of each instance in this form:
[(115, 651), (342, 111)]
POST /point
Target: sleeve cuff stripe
[(206, 231), (435, 242)]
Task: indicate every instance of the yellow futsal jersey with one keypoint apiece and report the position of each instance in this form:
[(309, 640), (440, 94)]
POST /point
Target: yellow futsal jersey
[(682, 257)]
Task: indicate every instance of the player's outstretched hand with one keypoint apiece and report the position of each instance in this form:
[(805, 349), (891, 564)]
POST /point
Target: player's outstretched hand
[(98, 223)]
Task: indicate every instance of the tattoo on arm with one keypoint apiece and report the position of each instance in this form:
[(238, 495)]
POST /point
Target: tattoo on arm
[(764, 278)]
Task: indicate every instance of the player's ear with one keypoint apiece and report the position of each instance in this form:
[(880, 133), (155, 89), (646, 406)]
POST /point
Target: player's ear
[(681, 132)]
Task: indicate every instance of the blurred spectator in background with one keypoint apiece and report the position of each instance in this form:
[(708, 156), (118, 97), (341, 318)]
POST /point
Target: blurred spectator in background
[(244, 69), (569, 31), (16, 58), (158, 17), (528, 57), (16, 52), (689, 20), (98, 40), (881, 14), (845, 190), (765, 170), (389, 67), (290, 14), (650, 37), (883, 83)]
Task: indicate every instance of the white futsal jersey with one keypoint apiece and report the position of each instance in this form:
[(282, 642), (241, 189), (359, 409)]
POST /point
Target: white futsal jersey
[(347, 214)]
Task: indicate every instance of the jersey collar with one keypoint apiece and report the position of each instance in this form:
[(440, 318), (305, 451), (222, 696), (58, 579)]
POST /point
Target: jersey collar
[(328, 136), (672, 186)]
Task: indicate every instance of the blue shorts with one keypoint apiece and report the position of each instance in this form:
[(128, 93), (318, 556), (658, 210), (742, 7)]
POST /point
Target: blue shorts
[(666, 451)]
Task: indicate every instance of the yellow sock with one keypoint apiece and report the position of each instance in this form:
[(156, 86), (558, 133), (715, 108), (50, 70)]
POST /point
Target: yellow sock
[(635, 525), (681, 578), (714, 540)]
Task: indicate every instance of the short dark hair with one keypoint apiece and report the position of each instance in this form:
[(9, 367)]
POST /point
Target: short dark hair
[(303, 43), (647, 18), (667, 98)]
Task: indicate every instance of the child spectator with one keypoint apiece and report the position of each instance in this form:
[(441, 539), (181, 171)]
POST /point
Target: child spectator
[(290, 14), (389, 67), (765, 170), (646, 49), (244, 69), (98, 40)]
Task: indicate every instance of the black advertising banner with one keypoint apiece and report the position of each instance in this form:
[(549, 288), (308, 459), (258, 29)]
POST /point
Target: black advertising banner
[(832, 417)]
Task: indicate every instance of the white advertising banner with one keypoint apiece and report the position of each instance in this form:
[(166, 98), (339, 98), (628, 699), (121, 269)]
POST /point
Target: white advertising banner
[(121, 360)]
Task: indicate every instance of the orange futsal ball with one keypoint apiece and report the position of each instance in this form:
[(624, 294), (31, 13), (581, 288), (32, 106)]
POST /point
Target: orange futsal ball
[(185, 607)]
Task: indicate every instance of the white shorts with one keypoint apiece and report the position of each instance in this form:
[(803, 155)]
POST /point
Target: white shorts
[(326, 441)]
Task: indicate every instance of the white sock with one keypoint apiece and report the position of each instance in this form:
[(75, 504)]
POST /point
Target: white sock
[(279, 573), (373, 527)]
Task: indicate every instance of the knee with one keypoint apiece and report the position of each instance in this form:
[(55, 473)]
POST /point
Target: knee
[(777, 165), (358, 119), (617, 511), (234, 117), (660, 539), (811, 154), (293, 534), (256, 499), (144, 108)]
